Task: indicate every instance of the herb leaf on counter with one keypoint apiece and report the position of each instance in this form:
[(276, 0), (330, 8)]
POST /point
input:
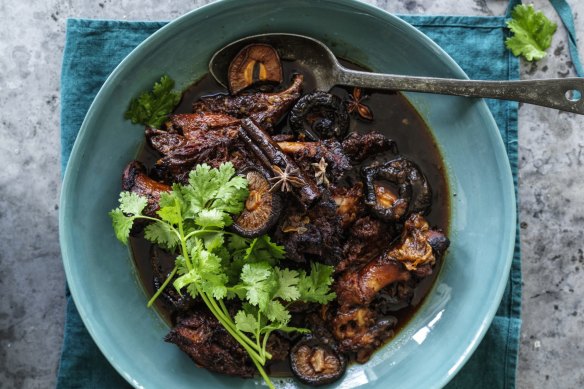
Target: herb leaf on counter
[(152, 108), (533, 33)]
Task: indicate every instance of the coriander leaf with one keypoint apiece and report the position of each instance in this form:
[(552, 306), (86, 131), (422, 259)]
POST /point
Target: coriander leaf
[(287, 284), (222, 252), (532, 31), (237, 243), (255, 272), (218, 189), (162, 234), (201, 189), (170, 199), (315, 287), (192, 290), (211, 218), (122, 224), (213, 241), (275, 311), (192, 277), (181, 265), (170, 208), (207, 262), (206, 275), (208, 267), (246, 322), (152, 108), (259, 283), (214, 284), (132, 203), (262, 249), (233, 190)]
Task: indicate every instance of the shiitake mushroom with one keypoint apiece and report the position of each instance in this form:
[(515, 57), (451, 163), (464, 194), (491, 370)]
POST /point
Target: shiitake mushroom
[(316, 363), (414, 192), (319, 115), (255, 63), (262, 207)]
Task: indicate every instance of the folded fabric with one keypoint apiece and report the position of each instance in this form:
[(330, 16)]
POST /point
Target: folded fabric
[(93, 48)]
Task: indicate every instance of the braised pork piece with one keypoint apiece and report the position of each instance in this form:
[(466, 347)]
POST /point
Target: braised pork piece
[(342, 178)]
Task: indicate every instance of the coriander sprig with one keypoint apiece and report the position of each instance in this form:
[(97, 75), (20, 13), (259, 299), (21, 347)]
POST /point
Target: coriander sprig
[(152, 108), (215, 264), (532, 32)]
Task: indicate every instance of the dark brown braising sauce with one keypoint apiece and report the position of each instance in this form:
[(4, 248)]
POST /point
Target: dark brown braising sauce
[(393, 116)]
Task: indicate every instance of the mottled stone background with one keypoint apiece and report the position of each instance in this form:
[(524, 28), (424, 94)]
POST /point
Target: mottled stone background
[(32, 36)]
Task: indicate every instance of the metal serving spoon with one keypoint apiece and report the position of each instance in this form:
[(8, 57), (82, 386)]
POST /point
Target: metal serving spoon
[(562, 93)]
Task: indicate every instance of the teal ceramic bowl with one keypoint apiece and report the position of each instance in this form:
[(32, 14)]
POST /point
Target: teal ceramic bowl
[(453, 319)]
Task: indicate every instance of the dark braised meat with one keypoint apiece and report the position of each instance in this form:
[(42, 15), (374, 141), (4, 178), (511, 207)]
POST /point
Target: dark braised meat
[(183, 130), (368, 238), (314, 235), (417, 246), (362, 146), (394, 297), (209, 345), (359, 288), (278, 347), (212, 147), (164, 141), (176, 301), (190, 125), (349, 203), (266, 109), (135, 179), (361, 330)]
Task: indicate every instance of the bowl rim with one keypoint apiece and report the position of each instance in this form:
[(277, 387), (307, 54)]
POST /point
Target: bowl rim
[(167, 30)]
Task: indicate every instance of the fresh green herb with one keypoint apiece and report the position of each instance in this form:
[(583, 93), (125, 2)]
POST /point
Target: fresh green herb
[(315, 286), (532, 31), (152, 108), (216, 264)]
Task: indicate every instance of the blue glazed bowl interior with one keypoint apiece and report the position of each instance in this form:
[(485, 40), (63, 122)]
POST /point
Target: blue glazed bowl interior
[(429, 351)]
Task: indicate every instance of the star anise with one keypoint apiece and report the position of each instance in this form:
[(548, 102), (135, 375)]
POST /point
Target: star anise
[(320, 172), (355, 104), (285, 179)]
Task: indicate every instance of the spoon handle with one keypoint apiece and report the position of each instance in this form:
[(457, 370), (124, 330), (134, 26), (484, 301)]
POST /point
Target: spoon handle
[(565, 94)]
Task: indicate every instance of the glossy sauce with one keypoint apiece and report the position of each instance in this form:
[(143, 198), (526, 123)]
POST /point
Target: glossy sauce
[(393, 116)]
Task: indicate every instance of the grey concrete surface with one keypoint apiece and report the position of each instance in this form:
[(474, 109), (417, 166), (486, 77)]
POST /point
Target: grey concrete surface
[(31, 275)]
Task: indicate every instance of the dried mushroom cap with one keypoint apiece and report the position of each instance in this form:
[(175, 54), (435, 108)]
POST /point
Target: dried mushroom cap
[(385, 198), (414, 192), (254, 63), (262, 207), (315, 363)]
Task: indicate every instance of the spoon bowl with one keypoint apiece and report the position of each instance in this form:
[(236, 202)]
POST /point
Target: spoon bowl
[(564, 94)]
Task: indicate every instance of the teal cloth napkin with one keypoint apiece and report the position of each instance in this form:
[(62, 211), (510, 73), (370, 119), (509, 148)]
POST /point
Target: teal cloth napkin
[(93, 48)]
